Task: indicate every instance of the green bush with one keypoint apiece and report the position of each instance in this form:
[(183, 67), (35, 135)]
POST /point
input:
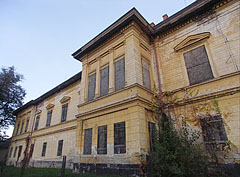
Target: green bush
[(176, 153)]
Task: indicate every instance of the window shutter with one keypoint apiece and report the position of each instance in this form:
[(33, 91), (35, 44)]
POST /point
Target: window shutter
[(104, 82), (60, 146), (102, 140), (49, 116), (119, 138), (87, 149), (198, 66), (91, 86), (26, 127), (119, 67), (44, 149), (214, 134), (146, 74)]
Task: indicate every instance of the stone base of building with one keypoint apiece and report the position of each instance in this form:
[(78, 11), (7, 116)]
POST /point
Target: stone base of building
[(107, 169)]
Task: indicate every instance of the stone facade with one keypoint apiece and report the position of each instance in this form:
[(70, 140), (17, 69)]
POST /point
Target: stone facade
[(107, 120)]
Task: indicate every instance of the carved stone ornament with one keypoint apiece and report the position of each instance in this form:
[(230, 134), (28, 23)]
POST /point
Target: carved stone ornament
[(65, 98), (191, 40), (49, 106), (38, 111)]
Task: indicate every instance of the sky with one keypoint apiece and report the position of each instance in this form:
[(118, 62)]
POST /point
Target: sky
[(37, 37)]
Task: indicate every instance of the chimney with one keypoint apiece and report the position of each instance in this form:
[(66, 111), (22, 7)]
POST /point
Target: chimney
[(165, 17), (152, 24)]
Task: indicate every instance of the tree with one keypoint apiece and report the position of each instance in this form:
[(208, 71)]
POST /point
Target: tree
[(11, 96)]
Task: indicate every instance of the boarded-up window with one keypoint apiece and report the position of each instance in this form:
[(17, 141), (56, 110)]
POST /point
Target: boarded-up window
[(119, 72), (119, 138), (213, 131), (10, 153), (22, 127), (198, 66), (64, 112), (104, 81), (146, 74), (151, 129), (44, 149), (102, 140), (19, 152), (60, 147), (91, 86), (31, 150), (87, 149), (26, 127), (36, 122), (15, 152), (49, 116), (18, 125)]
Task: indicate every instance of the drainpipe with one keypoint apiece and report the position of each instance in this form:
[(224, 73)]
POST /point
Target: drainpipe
[(158, 76)]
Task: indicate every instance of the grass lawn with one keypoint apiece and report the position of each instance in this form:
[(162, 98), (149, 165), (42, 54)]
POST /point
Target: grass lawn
[(10, 171)]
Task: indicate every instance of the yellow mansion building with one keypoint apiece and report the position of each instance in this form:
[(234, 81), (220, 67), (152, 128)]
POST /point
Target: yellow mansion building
[(101, 118)]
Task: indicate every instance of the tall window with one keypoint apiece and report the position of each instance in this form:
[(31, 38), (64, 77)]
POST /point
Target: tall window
[(22, 127), (60, 147), (44, 149), (146, 74), (31, 150), (104, 81), (15, 152), (102, 140), (213, 131), (151, 128), (119, 138), (91, 86), (18, 125), (198, 66), (26, 127), (87, 149), (19, 152), (10, 153), (49, 116), (119, 72), (36, 122), (64, 112)]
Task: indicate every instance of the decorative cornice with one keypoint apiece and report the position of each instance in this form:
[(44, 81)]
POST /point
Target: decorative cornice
[(65, 99), (197, 18), (191, 40), (49, 106)]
